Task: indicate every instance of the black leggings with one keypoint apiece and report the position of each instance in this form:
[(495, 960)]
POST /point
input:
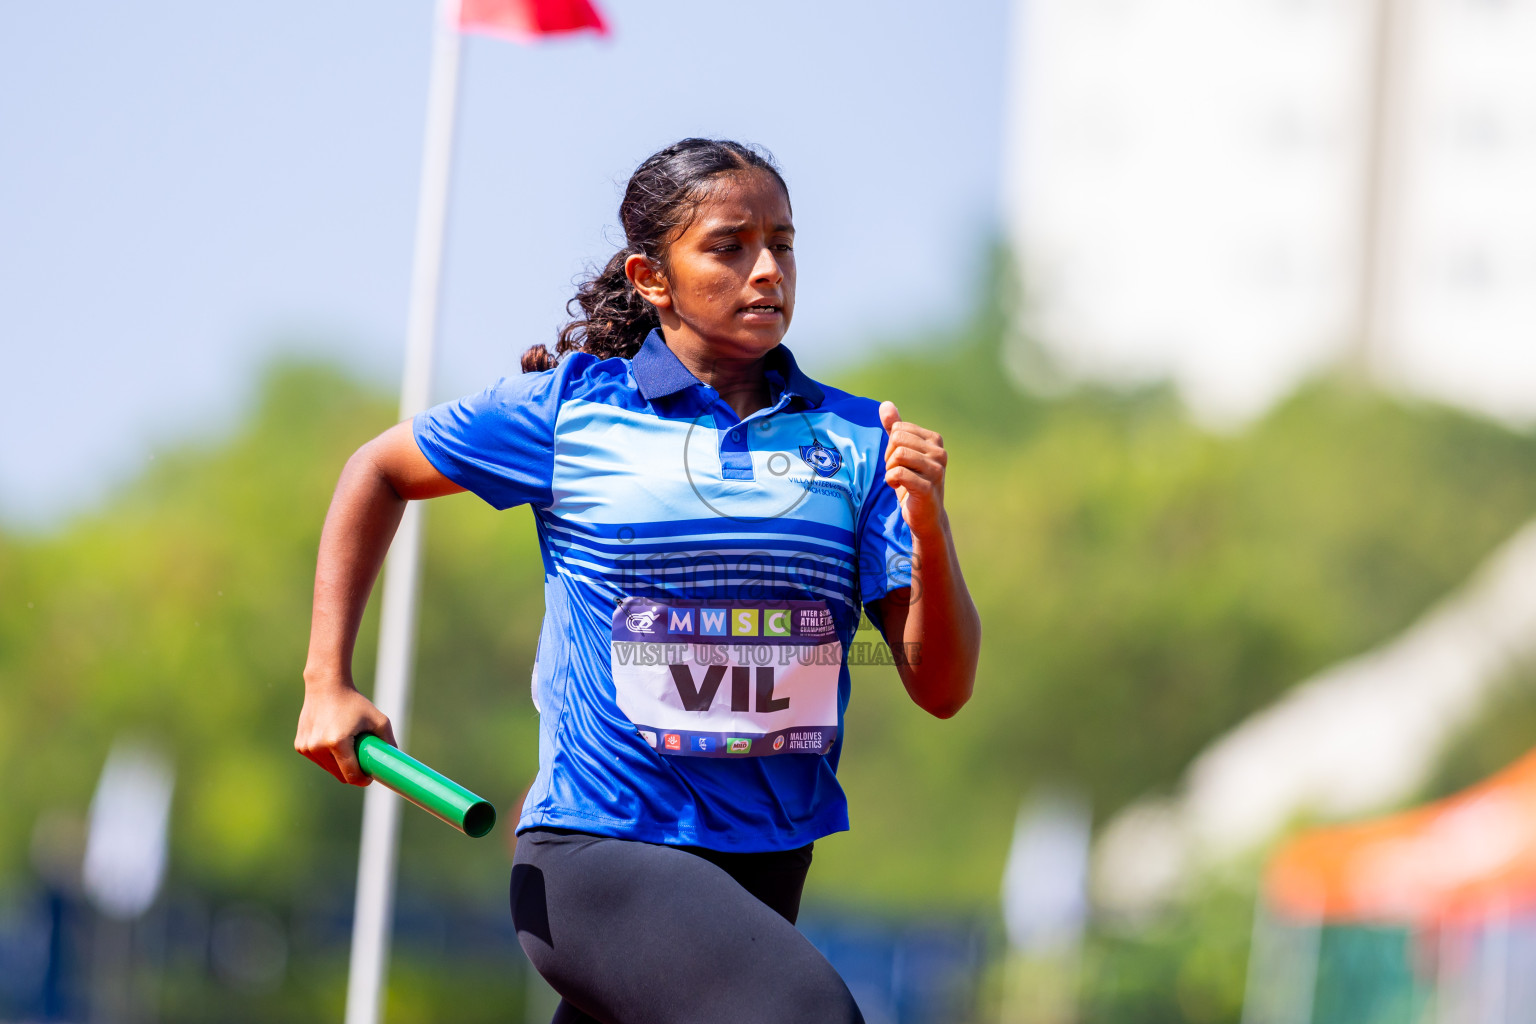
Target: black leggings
[(634, 933)]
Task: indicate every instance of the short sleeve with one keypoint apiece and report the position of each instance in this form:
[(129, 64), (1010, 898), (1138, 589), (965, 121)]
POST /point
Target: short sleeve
[(498, 444), (885, 540)]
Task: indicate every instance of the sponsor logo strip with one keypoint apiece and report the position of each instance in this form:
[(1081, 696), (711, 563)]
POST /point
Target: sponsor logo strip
[(781, 622), (808, 740)]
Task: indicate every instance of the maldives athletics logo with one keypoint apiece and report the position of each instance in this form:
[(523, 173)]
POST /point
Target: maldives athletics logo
[(825, 461)]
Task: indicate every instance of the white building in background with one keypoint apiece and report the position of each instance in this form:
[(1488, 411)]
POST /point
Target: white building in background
[(1235, 193)]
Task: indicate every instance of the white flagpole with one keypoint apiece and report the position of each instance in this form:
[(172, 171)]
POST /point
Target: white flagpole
[(373, 915)]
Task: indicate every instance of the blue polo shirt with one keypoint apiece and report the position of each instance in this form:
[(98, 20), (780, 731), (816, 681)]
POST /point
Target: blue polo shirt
[(703, 578)]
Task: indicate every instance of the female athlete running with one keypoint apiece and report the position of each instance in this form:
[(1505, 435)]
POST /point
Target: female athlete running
[(712, 521)]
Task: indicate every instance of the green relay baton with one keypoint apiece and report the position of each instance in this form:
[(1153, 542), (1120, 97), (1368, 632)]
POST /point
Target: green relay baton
[(434, 793)]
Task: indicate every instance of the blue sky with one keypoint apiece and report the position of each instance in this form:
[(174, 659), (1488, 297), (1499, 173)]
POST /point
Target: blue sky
[(190, 188)]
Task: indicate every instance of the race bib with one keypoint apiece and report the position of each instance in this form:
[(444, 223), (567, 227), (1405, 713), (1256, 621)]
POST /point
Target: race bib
[(717, 679)]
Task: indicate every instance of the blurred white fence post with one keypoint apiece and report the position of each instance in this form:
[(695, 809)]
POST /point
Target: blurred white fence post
[(1283, 964), (1045, 908), (124, 866), (374, 909), (1378, 184)]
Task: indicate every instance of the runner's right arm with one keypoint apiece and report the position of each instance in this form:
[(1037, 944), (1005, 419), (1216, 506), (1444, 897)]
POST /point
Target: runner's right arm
[(365, 511)]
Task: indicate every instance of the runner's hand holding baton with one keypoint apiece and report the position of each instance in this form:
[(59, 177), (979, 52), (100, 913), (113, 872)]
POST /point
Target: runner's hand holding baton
[(375, 758)]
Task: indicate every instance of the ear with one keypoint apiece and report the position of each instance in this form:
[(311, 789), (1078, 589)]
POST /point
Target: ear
[(648, 280)]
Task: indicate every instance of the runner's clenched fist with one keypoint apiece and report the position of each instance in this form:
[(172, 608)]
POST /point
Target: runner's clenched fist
[(914, 465)]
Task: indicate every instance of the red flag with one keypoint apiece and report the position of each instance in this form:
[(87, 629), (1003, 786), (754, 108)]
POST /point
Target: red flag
[(526, 20)]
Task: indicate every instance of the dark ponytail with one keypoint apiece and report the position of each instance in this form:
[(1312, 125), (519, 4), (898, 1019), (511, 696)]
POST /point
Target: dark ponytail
[(658, 204)]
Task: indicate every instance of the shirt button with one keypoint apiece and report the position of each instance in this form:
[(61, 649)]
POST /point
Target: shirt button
[(735, 435)]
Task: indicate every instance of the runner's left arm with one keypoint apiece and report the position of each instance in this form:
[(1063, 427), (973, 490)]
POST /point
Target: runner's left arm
[(932, 625)]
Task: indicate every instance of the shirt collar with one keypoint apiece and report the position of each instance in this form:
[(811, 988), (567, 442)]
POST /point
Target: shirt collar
[(658, 372)]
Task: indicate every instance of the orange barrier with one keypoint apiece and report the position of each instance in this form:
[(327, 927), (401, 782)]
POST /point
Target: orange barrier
[(1459, 859)]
